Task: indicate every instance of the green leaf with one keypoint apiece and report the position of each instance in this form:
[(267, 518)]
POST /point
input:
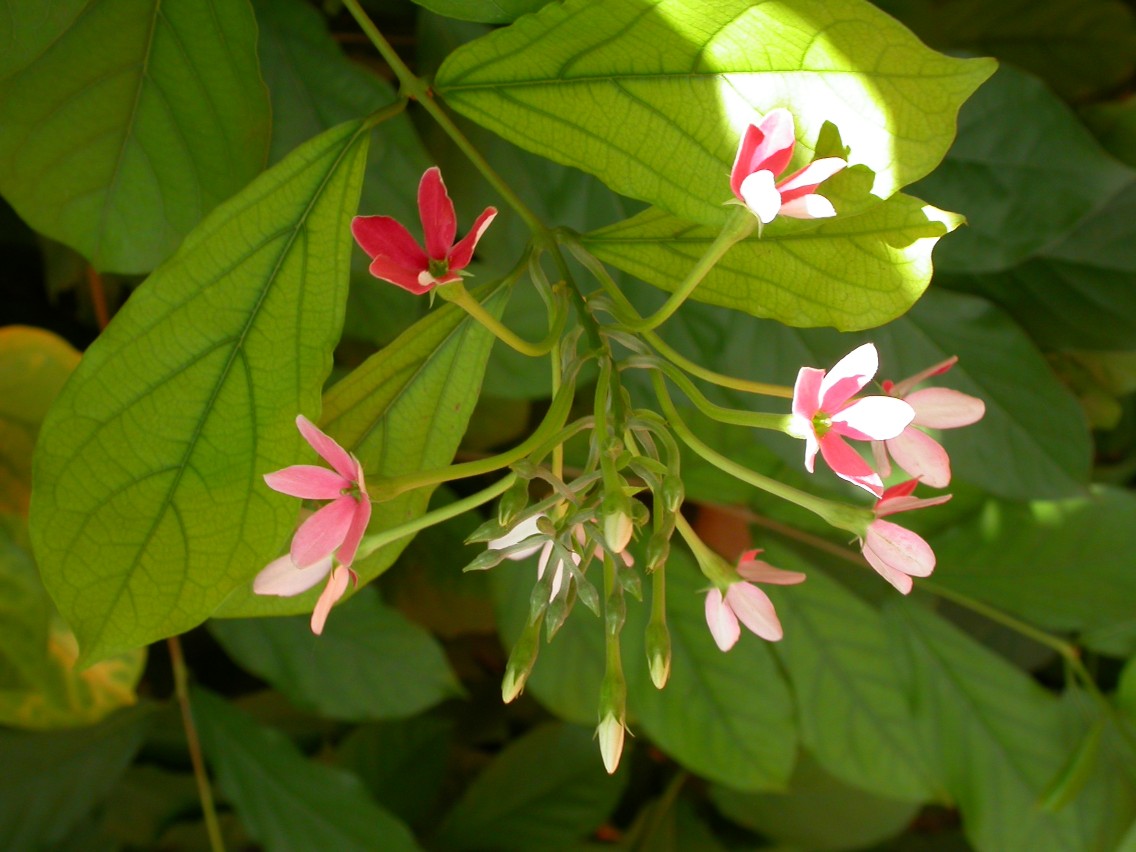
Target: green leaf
[(1114, 125), (852, 272), (1055, 564), (34, 364), (24, 616), (482, 11), (402, 411), (149, 507), (994, 734), (1024, 170), (570, 83), (129, 121), (52, 780), (850, 704), (726, 716), (370, 662), (544, 791), (285, 800)]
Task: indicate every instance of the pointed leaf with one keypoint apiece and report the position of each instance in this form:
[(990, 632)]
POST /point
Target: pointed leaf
[(129, 122), (570, 83), (149, 506)]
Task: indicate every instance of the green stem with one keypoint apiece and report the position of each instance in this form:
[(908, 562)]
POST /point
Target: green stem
[(698, 371), (372, 543), (850, 518), (456, 294), (645, 838), (710, 563), (204, 790)]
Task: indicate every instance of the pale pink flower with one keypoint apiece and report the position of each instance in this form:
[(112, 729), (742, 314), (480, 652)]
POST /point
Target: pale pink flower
[(825, 413), (935, 408), (398, 258), (765, 150), (747, 603), (332, 532), (896, 553)]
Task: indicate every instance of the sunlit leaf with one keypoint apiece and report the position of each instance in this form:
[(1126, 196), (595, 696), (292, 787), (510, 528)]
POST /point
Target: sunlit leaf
[(129, 121), (573, 83), (149, 506)]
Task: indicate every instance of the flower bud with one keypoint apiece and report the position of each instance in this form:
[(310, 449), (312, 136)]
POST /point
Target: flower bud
[(658, 643), (617, 526), (673, 493), (658, 550), (610, 734), (513, 502), (521, 662)]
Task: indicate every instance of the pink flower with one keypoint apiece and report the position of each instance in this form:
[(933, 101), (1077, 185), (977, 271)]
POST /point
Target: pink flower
[(333, 531), (825, 413), (896, 553), (764, 152), (747, 603), (936, 408), (398, 258)]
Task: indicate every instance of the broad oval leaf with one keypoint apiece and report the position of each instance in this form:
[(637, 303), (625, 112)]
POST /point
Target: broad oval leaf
[(574, 84), (149, 507), (130, 122), (851, 273)]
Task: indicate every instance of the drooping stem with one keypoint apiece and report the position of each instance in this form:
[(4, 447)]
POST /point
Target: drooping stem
[(700, 372), (458, 295), (98, 297), (193, 742)]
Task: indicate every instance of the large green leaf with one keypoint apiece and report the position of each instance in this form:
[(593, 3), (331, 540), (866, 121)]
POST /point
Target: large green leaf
[(34, 364), (369, 663), (1024, 170), (149, 507), (573, 83), (24, 615), (128, 121), (850, 703), (853, 272), (1060, 565), (546, 790), (484, 11), (284, 800), (51, 780)]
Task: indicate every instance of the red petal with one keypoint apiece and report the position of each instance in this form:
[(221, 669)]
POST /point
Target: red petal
[(382, 236), (439, 224), (462, 253), (847, 464), (765, 146), (847, 377), (401, 276)]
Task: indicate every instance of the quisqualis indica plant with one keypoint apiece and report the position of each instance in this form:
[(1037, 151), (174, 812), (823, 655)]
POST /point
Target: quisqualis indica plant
[(506, 385)]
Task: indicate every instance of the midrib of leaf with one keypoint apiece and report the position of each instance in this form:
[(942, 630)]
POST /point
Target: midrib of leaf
[(51, 44), (237, 350)]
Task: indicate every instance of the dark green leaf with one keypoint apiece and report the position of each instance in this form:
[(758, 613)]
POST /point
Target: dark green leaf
[(483, 11)]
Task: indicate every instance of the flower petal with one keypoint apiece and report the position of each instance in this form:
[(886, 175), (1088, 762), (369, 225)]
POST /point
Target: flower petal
[(848, 376), (526, 529), (806, 393), (283, 578), (408, 278), (766, 145), (943, 408), (327, 448), (439, 224), (873, 418), (359, 520), (759, 571), (721, 620), (755, 610), (903, 388), (847, 464), (462, 253), (382, 236), (308, 482), (319, 536), (921, 456), (761, 196), (811, 206), (898, 548), (332, 592), (804, 181)]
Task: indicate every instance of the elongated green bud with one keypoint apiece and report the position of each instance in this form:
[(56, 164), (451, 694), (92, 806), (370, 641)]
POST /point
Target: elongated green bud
[(658, 643), (521, 662), (673, 493), (513, 502), (658, 550)]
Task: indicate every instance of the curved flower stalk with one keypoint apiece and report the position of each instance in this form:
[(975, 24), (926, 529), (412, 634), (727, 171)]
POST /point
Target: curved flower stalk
[(825, 412), (896, 553), (765, 150), (398, 258), (744, 602), (331, 533), (920, 455)]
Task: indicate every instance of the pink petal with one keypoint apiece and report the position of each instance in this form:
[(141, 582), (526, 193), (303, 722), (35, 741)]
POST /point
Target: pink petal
[(439, 224), (806, 392), (281, 577), (755, 610), (903, 388), (847, 464), (899, 549), (901, 489), (901, 581), (848, 376), (766, 146), (873, 418), (880, 459), (382, 236), (328, 449), (332, 592), (308, 482), (462, 253), (807, 207), (921, 456), (359, 521), (721, 620), (804, 181), (761, 196), (943, 408), (758, 571), (319, 536), (891, 505), (408, 278)]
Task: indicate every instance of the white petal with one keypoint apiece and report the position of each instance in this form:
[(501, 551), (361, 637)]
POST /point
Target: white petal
[(520, 532), (808, 207), (282, 577), (759, 191)]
